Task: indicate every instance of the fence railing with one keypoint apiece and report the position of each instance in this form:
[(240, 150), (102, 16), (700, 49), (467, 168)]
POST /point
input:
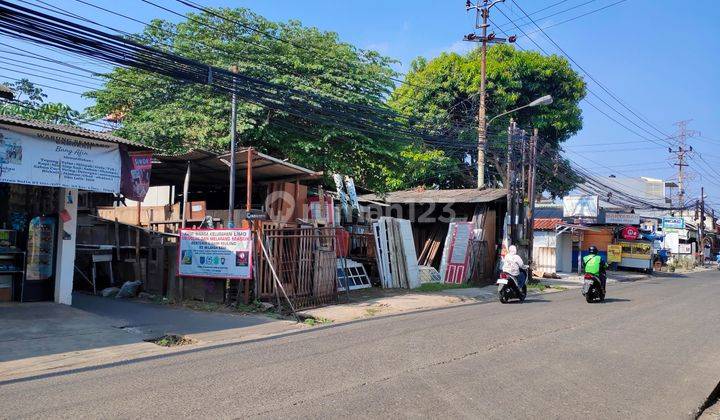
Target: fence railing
[(305, 262)]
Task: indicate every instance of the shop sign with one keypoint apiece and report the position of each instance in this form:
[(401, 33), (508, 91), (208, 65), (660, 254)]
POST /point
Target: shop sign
[(580, 206), (630, 233), (614, 253), (622, 219), (216, 253), (673, 223), (34, 157)]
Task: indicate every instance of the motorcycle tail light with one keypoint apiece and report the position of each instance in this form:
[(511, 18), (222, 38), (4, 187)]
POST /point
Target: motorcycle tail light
[(588, 277), (503, 275)]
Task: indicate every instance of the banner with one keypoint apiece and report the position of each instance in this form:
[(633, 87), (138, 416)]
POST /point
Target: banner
[(35, 157), (580, 206), (218, 253), (135, 174)]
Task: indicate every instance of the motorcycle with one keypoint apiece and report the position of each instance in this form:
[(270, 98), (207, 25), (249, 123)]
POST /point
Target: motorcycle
[(592, 288), (509, 288)]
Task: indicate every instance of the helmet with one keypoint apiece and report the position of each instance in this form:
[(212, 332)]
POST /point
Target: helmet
[(593, 250)]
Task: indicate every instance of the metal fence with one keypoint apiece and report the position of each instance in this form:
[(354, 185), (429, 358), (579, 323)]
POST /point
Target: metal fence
[(305, 261)]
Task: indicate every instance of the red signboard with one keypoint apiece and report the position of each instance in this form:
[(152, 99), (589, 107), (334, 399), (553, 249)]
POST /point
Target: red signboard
[(630, 233)]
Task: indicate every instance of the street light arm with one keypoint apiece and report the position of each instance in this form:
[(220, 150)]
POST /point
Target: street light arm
[(507, 112)]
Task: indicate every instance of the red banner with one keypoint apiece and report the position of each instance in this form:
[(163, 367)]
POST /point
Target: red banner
[(135, 180)]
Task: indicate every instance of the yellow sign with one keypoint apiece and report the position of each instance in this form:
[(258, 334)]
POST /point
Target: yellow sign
[(636, 250), (614, 253)]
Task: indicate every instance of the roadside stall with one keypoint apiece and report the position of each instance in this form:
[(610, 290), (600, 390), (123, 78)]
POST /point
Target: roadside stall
[(636, 253), (42, 168)]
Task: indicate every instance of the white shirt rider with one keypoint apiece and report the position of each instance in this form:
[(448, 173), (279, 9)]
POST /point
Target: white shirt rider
[(512, 263)]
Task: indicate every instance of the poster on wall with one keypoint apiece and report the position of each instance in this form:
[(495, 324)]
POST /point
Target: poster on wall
[(136, 168), (216, 253), (33, 157), (41, 248)]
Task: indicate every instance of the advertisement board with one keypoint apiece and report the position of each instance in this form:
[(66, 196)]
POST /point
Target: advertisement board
[(580, 206), (673, 223), (685, 249), (33, 157), (614, 253), (216, 253), (622, 219), (136, 174)]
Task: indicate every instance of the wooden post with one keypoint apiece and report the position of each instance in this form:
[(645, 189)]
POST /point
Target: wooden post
[(248, 207), (138, 270), (186, 187)]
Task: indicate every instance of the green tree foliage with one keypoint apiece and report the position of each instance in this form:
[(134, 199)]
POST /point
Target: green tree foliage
[(177, 116), (442, 93), (29, 102)]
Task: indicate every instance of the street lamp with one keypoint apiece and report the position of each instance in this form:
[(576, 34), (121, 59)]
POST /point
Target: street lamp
[(544, 100)]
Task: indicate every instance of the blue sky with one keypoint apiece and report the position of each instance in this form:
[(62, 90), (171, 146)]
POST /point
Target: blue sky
[(659, 57)]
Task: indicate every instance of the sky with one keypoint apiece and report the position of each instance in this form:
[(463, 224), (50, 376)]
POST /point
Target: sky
[(660, 58)]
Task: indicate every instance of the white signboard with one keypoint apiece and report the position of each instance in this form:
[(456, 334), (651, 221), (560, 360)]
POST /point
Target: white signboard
[(217, 253), (622, 219), (685, 249), (580, 206), (35, 157), (672, 242)]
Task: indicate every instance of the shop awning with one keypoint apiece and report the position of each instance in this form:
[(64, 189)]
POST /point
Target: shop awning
[(211, 169), (468, 195)]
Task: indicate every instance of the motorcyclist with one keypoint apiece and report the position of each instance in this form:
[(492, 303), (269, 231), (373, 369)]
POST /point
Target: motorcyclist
[(513, 264), (717, 260), (595, 264)]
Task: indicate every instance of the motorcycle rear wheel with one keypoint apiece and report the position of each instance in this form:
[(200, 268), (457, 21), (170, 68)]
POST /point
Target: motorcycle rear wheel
[(502, 295), (590, 295)]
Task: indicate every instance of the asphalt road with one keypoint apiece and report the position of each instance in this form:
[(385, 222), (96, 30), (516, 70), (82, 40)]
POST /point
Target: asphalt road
[(651, 351)]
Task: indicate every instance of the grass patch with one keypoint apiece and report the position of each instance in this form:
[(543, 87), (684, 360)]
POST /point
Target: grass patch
[(436, 287), (316, 321), (536, 285), (372, 311), (171, 340)]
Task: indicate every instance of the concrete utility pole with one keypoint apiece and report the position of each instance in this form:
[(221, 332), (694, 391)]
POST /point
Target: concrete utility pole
[(681, 154), (482, 14), (701, 227), (532, 172)]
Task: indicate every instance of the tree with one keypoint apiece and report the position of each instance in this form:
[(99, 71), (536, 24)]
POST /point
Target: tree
[(30, 103), (442, 93), (175, 116)]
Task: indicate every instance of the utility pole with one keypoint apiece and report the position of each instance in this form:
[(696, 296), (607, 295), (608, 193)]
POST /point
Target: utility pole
[(701, 227), (532, 172), (681, 154), (482, 14), (233, 135)]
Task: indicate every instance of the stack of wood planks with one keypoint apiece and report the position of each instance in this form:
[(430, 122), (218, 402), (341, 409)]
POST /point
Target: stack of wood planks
[(397, 259), (432, 241)]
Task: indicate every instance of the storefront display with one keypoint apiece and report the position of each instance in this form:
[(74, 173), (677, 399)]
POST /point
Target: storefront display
[(636, 254)]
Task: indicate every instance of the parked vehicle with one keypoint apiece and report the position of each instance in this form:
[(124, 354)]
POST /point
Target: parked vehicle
[(592, 288), (509, 287)]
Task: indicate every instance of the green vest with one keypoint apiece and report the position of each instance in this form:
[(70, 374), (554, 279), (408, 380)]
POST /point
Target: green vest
[(592, 264)]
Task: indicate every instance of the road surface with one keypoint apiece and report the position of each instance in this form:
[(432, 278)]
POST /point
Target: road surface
[(651, 351)]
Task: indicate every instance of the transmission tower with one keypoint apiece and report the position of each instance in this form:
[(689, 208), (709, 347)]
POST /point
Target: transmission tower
[(681, 154)]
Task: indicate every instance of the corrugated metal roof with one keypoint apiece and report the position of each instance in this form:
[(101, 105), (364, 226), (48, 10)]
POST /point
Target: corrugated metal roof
[(69, 130), (469, 195), (211, 169), (546, 224)]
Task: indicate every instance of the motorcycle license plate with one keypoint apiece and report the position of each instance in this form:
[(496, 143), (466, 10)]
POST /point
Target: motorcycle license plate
[(502, 281)]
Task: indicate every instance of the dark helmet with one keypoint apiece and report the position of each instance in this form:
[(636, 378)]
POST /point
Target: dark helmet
[(593, 250)]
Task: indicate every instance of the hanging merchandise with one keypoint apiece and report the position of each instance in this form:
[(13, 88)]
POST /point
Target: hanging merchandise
[(456, 253), (345, 208)]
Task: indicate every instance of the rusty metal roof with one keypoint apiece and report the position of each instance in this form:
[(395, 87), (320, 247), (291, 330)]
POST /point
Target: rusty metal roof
[(546, 224), (70, 130), (469, 195)]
